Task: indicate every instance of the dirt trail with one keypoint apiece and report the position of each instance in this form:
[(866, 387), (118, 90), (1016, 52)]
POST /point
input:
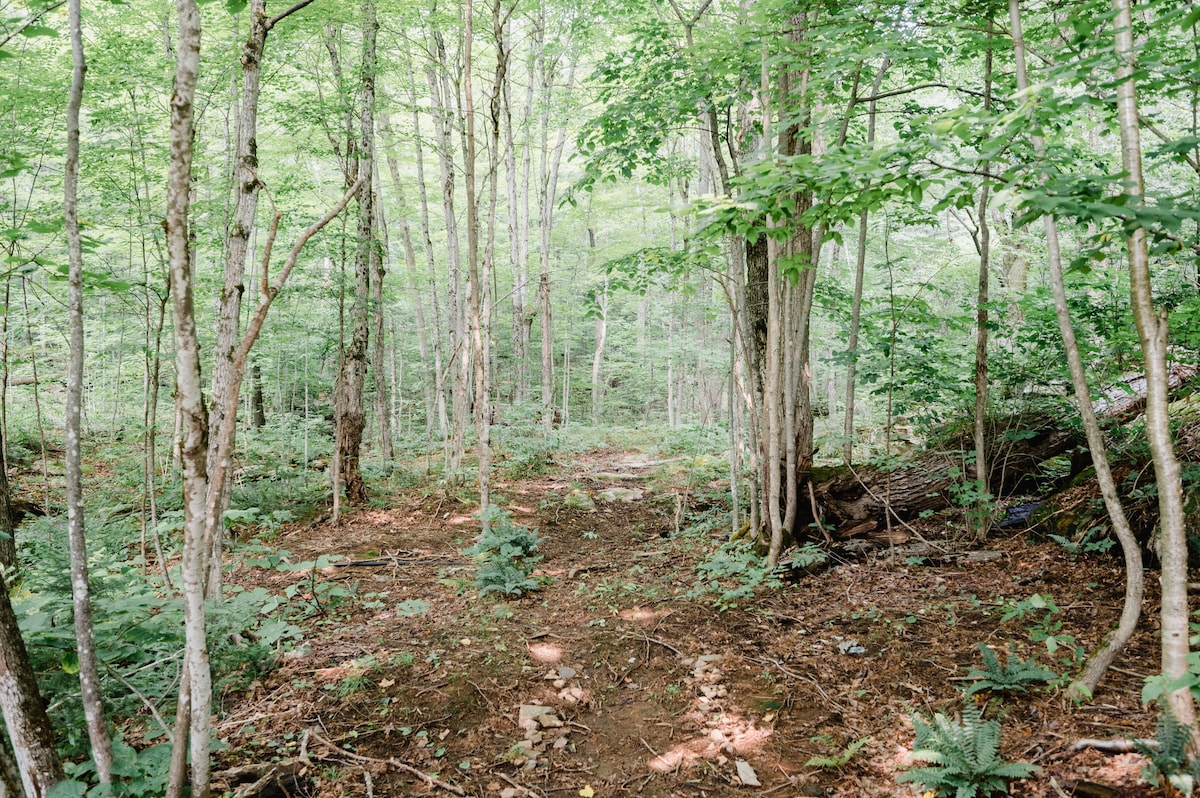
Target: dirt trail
[(612, 681)]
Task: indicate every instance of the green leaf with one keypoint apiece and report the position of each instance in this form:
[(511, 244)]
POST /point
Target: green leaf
[(70, 663), (235, 6)]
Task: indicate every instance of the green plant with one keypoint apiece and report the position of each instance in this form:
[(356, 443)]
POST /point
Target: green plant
[(963, 756), (1169, 760), (840, 759), (734, 571), (506, 554), (1095, 540), (1014, 676)]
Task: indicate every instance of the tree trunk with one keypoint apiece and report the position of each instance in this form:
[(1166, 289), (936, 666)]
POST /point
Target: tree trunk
[(1152, 333), (440, 89), (81, 600), (193, 722), (349, 414), (476, 283), (25, 716), (980, 519), (383, 404), (410, 264), (860, 263)]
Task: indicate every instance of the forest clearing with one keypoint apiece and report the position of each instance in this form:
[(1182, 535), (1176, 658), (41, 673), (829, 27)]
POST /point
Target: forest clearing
[(631, 397), (656, 682)]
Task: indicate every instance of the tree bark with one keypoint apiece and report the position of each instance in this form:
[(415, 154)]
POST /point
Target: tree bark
[(349, 415), (81, 600), (29, 726), (980, 519), (1152, 333), (194, 720)]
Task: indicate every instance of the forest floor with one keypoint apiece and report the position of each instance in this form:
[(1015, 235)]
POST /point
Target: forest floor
[(611, 680)]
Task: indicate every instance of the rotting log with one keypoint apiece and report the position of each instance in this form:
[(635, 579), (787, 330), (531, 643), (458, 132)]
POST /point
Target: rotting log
[(874, 501)]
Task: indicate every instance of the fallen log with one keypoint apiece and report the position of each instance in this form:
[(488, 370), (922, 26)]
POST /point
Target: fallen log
[(875, 501)]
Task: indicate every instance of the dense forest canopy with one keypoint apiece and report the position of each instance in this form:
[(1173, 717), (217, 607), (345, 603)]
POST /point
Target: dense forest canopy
[(332, 244)]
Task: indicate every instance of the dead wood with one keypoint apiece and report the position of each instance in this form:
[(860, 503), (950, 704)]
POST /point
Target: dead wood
[(856, 501)]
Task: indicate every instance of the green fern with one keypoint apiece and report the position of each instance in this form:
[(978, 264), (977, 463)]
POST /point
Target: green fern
[(1169, 760), (1012, 677), (839, 760), (963, 757), (506, 556)]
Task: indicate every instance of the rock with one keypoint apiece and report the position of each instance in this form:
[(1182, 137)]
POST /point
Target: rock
[(566, 673), (851, 648), (623, 495), (746, 774), (532, 712)]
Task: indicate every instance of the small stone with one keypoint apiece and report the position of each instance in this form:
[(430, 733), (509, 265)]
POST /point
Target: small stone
[(509, 792), (532, 712), (561, 743), (550, 722), (566, 673), (559, 683), (534, 737), (746, 774)]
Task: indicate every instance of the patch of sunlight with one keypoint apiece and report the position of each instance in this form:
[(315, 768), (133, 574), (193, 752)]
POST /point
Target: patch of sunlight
[(545, 652), (459, 520), (731, 735), (641, 614)]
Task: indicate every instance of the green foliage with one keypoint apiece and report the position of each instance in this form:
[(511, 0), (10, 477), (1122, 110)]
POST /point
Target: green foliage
[(839, 760), (506, 555), (963, 756), (138, 774), (1014, 676), (735, 571), (1170, 762)]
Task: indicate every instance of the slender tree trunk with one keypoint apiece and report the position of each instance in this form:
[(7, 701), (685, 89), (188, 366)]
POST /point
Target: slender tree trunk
[(81, 600), (457, 365), (246, 189), (1104, 656), (438, 336), (383, 404), (551, 158), (410, 264), (348, 410), (476, 285), (981, 518), (193, 722), (1152, 333), (860, 263)]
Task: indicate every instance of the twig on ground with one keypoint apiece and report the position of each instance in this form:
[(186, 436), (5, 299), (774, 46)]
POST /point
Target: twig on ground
[(390, 762), (1118, 746), (667, 646), (520, 787)]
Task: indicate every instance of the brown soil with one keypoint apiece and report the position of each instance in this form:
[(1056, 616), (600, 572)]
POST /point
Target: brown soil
[(651, 692)]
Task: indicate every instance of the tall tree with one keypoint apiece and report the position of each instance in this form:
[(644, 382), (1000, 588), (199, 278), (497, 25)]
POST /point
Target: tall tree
[(1152, 334), (85, 643), (194, 717), (349, 415), (246, 187), (1083, 398)]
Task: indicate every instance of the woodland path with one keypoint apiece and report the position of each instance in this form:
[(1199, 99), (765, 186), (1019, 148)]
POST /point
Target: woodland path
[(612, 681)]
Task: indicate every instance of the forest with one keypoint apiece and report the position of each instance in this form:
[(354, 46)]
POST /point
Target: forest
[(657, 397)]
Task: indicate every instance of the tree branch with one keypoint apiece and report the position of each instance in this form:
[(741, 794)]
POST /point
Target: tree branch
[(285, 14), (28, 21)]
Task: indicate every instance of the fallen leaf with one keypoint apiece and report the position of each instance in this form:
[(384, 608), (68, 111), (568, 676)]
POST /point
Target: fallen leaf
[(587, 791)]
